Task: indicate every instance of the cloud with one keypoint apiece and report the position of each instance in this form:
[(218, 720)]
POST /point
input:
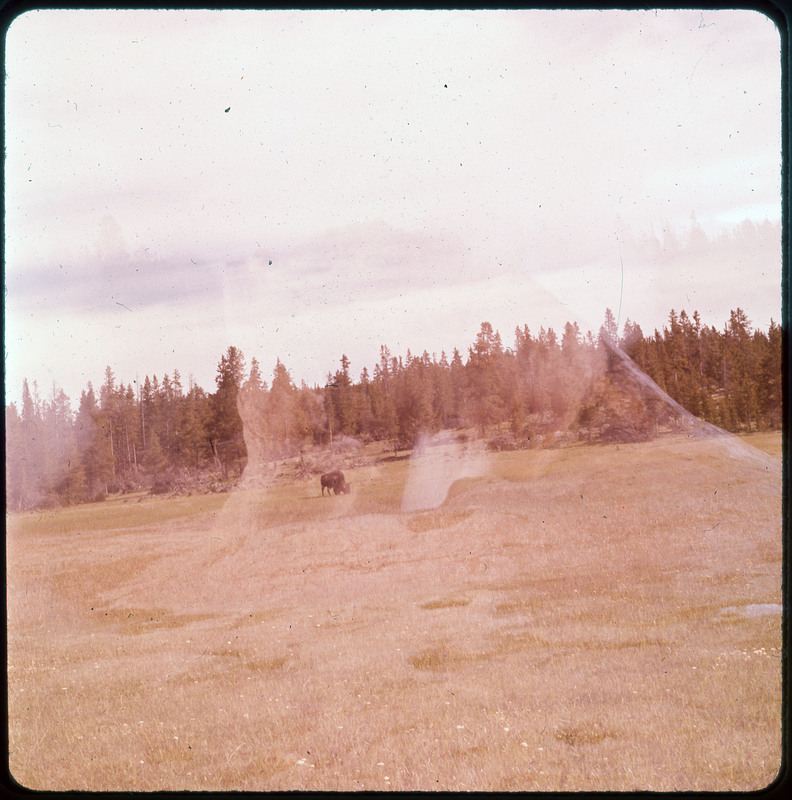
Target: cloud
[(351, 290), (403, 172), (646, 274), (91, 285), (479, 127)]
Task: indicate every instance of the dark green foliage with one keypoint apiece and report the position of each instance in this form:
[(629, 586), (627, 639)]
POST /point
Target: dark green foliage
[(225, 425), (538, 393)]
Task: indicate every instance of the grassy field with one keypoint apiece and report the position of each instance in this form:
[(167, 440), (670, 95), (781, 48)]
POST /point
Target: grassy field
[(569, 619)]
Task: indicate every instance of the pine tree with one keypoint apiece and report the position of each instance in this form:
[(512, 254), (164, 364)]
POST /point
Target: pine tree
[(226, 424), (609, 331), (285, 425), (17, 490), (343, 403), (129, 429), (484, 380), (254, 382), (156, 460), (731, 377), (31, 475), (311, 405), (739, 380), (106, 419), (445, 407), (363, 411), (93, 446), (58, 428), (770, 375), (73, 486), (383, 402), (145, 407), (194, 420), (413, 402)]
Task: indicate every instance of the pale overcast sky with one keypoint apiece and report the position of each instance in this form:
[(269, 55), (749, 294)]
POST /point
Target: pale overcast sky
[(307, 184)]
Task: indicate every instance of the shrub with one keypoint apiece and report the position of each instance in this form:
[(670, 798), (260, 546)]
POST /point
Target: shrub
[(506, 441)]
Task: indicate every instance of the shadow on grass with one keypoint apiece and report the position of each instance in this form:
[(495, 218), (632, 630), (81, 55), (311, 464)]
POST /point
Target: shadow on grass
[(390, 459)]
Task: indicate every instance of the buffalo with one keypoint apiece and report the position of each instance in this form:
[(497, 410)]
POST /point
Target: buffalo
[(335, 480)]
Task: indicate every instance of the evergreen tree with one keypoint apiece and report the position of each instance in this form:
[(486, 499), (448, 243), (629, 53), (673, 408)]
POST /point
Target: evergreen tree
[(731, 377), (383, 402), (58, 430), (146, 409), (342, 400), (107, 416), (93, 445), (155, 460), (193, 424), (768, 349), (32, 446), (129, 430), (445, 408), (226, 424), (288, 426), (72, 488), (413, 401), (484, 384), (609, 331), (739, 380), (363, 412), (633, 344), (17, 489), (254, 382), (311, 405)]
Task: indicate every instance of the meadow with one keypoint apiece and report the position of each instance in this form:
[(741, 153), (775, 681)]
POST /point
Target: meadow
[(586, 618)]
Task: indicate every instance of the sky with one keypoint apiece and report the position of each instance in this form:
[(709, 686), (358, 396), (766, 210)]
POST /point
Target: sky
[(303, 185)]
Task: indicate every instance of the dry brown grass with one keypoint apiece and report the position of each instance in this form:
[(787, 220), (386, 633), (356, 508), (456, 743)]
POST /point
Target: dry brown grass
[(555, 625)]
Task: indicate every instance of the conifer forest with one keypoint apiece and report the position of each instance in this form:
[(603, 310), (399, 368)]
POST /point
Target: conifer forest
[(540, 390)]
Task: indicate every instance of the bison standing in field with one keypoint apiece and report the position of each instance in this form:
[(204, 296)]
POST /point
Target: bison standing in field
[(335, 480)]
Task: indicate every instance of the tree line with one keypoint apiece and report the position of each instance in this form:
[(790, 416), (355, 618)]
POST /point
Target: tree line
[(542, 388)]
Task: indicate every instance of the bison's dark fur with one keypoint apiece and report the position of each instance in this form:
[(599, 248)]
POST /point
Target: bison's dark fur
[(335, 480)]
